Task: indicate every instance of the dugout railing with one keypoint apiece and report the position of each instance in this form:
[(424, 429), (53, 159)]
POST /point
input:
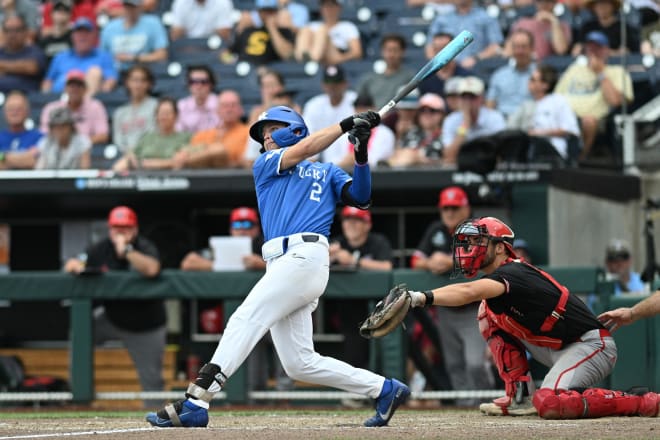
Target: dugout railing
[(388, 353)]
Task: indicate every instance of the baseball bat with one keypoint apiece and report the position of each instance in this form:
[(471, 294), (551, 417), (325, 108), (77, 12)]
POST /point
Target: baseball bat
[(440, 60)]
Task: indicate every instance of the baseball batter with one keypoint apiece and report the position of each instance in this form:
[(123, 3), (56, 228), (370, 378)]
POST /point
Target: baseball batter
[(524, 308), (297, 201)]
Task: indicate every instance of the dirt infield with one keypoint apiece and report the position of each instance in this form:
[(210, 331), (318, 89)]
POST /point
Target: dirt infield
[(325, 424)]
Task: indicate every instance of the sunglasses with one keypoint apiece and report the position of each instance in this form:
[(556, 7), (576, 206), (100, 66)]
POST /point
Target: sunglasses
[(429, 110), (242, 224), (450, 208), (192, 81)]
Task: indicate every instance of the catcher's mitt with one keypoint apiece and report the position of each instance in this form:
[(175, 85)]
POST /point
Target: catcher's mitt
[(388, 313)]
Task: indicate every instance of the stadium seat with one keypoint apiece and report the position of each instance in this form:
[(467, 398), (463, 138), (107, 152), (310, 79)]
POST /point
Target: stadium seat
[(559, 62)]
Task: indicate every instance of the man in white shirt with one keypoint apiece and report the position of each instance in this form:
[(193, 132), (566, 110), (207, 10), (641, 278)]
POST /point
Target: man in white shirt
[(330, 108)]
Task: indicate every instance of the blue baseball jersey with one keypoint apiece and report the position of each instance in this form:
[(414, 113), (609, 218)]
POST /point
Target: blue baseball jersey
[(300, 199)]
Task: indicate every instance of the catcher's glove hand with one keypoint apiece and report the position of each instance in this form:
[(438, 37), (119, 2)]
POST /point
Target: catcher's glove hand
[(388, 314)]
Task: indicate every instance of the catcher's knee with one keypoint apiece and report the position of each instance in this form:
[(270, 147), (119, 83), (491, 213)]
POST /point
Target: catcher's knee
[(560, 404)]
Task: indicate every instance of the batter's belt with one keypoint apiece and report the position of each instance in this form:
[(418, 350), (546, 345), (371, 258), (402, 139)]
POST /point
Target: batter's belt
[(278, 246)]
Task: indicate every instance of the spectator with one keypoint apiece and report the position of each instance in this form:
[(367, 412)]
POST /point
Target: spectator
[(521, 248), (139, 324), (331, 40), (290, 14), (63, 148), (486, 30), (201, 18), (607, 21), (97, 64), (382, 86), (222, 146), (137, 117), (329, 108), (463, 348), (422, 143), (356, 248), (21, 63), (18, 144), (402, 117), (381, 143), (198, 111), (595, 89), (547, 118), (451, 94), (28, 11), (156, 149), (89, 113), (274, 42), (504, 91), (76, 9), (115, 8), (134, 37), (551, 35), (56, 37), (436, 82), (575, 14), (472, 121), (618, 264), (271, 83)]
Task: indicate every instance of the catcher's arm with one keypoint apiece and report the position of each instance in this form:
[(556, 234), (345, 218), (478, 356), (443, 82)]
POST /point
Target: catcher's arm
[(391, 311)]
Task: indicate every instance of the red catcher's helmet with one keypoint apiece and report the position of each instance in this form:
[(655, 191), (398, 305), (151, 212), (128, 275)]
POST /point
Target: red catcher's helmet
[(471, 241)]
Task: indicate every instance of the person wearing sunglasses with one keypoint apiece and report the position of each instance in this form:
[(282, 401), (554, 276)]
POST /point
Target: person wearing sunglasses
[(198, 110)]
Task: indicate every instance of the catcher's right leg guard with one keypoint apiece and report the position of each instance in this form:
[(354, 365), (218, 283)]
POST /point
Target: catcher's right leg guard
[(191, 412), (511, 362), (594, 402)]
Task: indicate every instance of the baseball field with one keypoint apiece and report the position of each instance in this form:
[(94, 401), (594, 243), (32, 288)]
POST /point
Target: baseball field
[(335, 424)]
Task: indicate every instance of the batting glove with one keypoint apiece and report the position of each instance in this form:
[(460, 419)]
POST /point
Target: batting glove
[(371, 118), (359, 137)]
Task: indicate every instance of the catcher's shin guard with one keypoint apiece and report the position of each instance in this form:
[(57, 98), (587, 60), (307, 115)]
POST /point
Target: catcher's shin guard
[(508, 354), (209, 381), (593, 402)]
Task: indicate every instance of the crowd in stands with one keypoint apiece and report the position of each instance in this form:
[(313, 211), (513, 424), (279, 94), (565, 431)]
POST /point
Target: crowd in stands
[(108, 61)]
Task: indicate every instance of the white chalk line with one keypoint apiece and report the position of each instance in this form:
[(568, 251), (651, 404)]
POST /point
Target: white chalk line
[(78, 433)]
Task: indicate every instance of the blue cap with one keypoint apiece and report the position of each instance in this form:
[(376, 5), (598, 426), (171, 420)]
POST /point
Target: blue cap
[(597, 37), (83, 23), (266, 4)]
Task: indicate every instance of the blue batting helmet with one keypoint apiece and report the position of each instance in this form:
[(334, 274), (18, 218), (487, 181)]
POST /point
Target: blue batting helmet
[(294, 131)]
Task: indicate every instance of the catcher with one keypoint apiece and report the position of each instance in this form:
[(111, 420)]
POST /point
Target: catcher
[(524, 308)]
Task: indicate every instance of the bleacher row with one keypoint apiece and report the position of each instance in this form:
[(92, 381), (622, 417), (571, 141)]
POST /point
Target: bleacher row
[(373, 17)]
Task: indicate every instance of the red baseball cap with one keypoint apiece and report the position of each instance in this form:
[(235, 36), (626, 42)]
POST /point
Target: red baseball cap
[(453, 196), (243, 213), (75, 75), (351, 211), (122, 216)]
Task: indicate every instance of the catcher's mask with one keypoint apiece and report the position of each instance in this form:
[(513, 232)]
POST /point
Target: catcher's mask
[(294, 131), (471, 240)]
